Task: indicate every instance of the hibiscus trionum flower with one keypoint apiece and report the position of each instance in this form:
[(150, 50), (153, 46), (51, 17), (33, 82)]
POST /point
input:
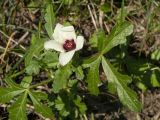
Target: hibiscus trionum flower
[(66, 42)]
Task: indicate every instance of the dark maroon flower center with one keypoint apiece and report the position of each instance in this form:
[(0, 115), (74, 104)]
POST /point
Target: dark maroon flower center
[(69, 45)]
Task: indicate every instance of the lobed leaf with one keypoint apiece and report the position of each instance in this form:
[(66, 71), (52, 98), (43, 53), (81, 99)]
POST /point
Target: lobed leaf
[(50, 59), (87, 62), (34, 50), (93, 77), (40, 108), (33, 68), (61, 77), (98, 39), (118, 36), (82, 107), (6, 94), (60, 106), (127, 96), (50, 20), (18, 110)]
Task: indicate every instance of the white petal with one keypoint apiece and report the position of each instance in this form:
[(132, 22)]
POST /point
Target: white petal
[(68, 28), (61, 33), (52, 44), (79, 42), (68, 33), (65, 57), (57, 33)]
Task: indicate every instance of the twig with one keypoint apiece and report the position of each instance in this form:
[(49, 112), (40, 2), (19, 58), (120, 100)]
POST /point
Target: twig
[(94, 13), (42, 83), (12, 39), (8, 43), (20, 40), (17, 54), (101, 15), (107, 28), (93, 20)]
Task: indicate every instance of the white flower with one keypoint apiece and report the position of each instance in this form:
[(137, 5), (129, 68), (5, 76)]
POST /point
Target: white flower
[(66, 42)]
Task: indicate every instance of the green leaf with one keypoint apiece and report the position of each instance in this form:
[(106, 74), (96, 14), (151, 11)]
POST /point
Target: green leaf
[(155, 78), (6, 94), (87, 62), (61, 77), (60, 106), (105, 8), (18, 110), (79, 73), (137, 66), (40, 95), (82, 107), (50, 58), (155, 55), (93, 77), (40, 108), (144, 73), (72, 83), (98, 40), (127, 96), (118, 36), (35, 49), (67, 2), (26, 81), (33, 68), (50, 19), (11, 83), (101, 37)]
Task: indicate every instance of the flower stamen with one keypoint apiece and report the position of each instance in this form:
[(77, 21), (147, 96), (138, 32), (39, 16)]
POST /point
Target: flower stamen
[(69, 45)]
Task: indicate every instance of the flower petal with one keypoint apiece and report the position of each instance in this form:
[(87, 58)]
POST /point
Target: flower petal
[(68, 33), (65, 57), (52, 44), (61, 33), (79, 42), (57, 33)]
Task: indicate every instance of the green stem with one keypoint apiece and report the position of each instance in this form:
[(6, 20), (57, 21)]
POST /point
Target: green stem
[(18, 73), (41, 83)]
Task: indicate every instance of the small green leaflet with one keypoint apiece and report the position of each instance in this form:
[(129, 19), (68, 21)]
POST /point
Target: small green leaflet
[(18, 110), (82, 107), (6, 94), (127, 96), (155, 55), (50, 58), (79, 73), (155, 78), (61, 78), (33, 68), (26, 81), (35, 48), (118, 36), (93, 77), (98, 39), (40, 108), (50, 20), (60, 106), (67, 2)]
